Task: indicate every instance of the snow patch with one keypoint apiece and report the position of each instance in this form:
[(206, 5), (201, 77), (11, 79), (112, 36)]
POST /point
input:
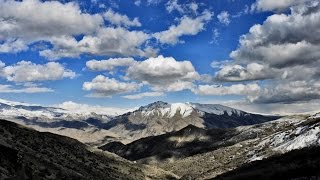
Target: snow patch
[(185, 109)]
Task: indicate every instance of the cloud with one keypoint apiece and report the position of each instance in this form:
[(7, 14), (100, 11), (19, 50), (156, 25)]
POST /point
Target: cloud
[(280, 55), (153, 2), (285, 50), (26, 71), (271, 5), (311, 107), (237, 89), (296, 91), (186, 26), (183, 8), (164, 73), (252, 71), (142, 95), (33, 19), (23, 23), (120, 20), (160, 73), (283, 40), (177, 86), (219, 64), (10, 89), (172, 5), (137, 2), (215, 36), (85, 108), (102, 86), (224, 17), (108, 41), (109, 64), (13, 45), (194, 7)]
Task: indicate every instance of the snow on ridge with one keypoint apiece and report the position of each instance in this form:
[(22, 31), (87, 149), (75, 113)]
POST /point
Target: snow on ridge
[(167, 110), (76, 108), (185, 109), (215, 109), (66, 109), (14, 103)]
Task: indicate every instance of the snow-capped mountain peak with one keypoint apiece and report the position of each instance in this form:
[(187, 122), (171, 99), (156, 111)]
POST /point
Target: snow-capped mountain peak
[(155, 105), (14, 103), (215, 109), (165, 109)]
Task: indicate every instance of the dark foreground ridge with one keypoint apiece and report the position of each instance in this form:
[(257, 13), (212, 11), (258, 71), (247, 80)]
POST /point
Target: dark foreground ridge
[(297, 164), (186, 142), (29, 154)]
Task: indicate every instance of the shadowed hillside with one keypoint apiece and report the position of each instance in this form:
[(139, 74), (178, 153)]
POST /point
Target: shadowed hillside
[(29, 154), (188, 141), (296, 164)]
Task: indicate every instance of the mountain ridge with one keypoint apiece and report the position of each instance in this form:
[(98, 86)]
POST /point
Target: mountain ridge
[(43, 155), (162, 117), (153, 119)]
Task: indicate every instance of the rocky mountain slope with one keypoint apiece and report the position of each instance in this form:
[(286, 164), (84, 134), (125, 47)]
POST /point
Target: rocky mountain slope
[(297, 164), (199, 154), (57, 120), (29, 154), (154, 119), (188, 141), (161, 117)]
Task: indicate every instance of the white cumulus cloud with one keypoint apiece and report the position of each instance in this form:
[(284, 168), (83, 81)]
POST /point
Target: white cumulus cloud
[(120, 20), (186, 26), (4, 88), (26, 71), (102, 86), (164, 73), (144, 94), (86, 108), (224, 17), (251, 90), (109, 64)]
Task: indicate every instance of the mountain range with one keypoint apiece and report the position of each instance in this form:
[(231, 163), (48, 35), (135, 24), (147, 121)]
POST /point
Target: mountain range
[(161, 117), (29, 154), (156, 141), (196, 153), (153, 119)]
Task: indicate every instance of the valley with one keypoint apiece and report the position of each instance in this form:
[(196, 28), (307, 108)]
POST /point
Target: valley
[(182, 140)]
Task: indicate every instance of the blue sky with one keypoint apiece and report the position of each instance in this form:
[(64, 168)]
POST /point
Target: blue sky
[(142, 51)]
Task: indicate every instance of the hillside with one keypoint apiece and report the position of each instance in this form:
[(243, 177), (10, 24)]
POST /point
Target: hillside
[(199, 153), (297, 164), (29, 154), (150, 120), (160, 117)]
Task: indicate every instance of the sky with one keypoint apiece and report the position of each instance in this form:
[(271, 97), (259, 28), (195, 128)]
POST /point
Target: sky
[(256, 55)]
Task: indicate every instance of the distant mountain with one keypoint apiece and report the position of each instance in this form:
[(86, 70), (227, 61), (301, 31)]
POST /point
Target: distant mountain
[(29, 154), (153, 119), (10, 109), (161, 117), (80, 125), (197, 153)]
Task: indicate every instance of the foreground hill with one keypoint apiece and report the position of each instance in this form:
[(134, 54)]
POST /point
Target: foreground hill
[(183, 143), (29, 154), (196, 153), (297, 164)]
